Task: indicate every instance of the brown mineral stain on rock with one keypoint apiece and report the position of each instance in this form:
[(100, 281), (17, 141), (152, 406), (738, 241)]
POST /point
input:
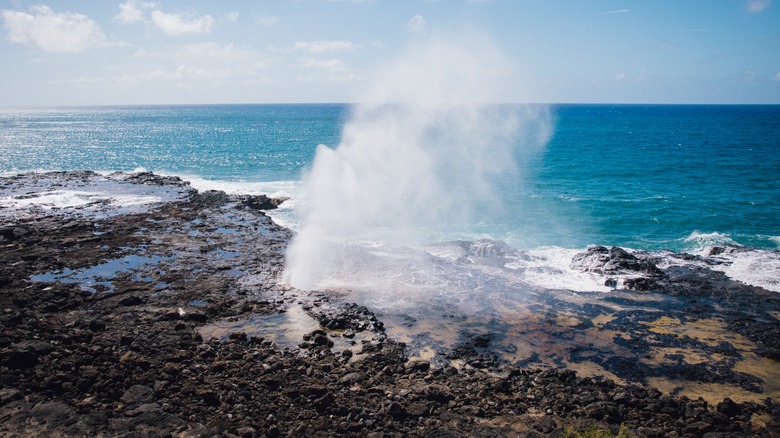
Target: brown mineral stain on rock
[(590, 369), (760, 420), (712, 332), (567, 321), (766, 369), (693, 357), (663, 325), (713, 393), (603, 319), (604, 339)]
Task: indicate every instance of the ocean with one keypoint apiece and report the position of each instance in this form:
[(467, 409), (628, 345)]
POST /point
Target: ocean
[(643, 177)]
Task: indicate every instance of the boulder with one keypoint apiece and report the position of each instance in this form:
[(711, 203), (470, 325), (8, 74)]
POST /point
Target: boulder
[(613, 261), (261, 202)]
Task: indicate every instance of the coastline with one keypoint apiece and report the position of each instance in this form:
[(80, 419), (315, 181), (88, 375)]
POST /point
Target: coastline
[(107, 312)]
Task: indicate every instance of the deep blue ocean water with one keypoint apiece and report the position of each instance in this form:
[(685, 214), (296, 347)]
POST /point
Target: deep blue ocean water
[(643, 176), (655, 177)]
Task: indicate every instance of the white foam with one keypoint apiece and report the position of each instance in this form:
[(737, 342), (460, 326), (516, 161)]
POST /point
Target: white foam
[(755, 267), (468, 276), (62, 199), (98, 195), (550, 268), (272, 189), (285, 215), (699, 242)]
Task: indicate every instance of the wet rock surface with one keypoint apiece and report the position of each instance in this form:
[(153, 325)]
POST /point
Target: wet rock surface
[(103, 310)]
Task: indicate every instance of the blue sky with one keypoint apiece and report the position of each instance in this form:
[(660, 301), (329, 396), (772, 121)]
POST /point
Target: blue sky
[(68, 52)]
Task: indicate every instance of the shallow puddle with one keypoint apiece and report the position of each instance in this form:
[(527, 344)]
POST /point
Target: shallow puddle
[(102, 274), (590, 334), (286, 330)]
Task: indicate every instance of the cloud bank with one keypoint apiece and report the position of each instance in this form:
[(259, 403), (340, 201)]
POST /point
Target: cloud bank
[(177, 24), (325, 46), (173, 24), (132, 12), (44, 29)]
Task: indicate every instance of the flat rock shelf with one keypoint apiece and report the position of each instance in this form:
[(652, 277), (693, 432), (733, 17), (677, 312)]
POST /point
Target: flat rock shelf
[(134, 305)]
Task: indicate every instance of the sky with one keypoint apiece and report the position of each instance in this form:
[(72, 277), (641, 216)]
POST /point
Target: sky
[(117, 52)]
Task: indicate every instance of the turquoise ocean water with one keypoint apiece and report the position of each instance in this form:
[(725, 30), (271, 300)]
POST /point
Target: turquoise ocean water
[(646, 177)]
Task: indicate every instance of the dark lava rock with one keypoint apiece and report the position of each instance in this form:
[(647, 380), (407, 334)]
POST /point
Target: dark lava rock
[(317, 338), (127, 360), (261, 202), (728, 408), (149, 178), (137, 394), (613, 261), (345, 316), (474, 351), (724, 249), (25, 354)]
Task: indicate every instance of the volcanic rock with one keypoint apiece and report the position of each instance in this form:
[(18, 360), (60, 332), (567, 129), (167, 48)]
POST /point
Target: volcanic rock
[(120, 351), (613, 261)]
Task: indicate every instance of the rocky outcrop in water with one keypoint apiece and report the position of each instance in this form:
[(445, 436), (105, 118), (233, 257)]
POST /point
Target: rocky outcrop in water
[(691, 276), (665, 271), (613, 261), (637, 273)]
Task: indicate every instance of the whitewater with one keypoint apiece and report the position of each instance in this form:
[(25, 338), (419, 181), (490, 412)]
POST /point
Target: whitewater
[(408, 174), (433, 189)]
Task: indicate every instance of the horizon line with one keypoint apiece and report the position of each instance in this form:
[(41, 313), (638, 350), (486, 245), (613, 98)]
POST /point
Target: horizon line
[(114, 105)]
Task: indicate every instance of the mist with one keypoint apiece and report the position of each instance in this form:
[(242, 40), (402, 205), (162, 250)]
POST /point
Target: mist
[(420, 159)]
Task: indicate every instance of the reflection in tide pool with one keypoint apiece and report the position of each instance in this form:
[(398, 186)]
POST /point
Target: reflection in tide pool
[(102, 274), (286, 330)]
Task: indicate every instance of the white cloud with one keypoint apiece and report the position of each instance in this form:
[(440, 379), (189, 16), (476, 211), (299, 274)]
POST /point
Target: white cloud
[(325, 46), (777, 76), (214, 51), (205, 61), (133, 11), (143, 53), (416, 24), (136, 11), (44, 29), (620, 77), (176, 24), (615, 11), (331, 70), (232, 17), (754, 6), (331, 64), (267, 21)]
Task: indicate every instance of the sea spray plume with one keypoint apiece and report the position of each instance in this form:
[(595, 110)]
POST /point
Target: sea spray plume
[(420, 154)]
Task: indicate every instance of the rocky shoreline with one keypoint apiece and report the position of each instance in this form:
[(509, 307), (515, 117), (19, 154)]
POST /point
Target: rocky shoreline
[(131, 321)]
